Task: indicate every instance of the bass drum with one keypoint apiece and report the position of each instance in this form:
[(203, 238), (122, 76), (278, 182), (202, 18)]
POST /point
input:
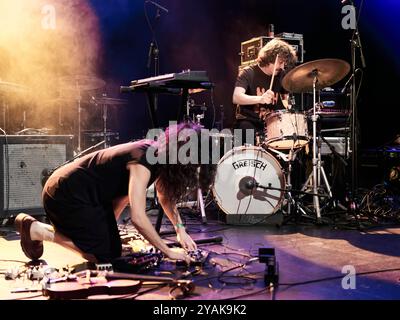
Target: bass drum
[(238, 172)]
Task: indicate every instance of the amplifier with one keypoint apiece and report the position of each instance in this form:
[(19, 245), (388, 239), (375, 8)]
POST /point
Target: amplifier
[(339, 143), (251, 48), (24, 163)]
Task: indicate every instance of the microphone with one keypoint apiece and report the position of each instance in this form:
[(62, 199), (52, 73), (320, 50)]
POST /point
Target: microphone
[(250, 184), (247, 184), (158, 6)]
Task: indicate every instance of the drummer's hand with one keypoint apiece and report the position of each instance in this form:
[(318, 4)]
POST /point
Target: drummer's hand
[(267, 97)]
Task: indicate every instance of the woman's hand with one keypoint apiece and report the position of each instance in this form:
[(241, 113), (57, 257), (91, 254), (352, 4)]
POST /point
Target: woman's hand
[(178, 254), (185, 240)]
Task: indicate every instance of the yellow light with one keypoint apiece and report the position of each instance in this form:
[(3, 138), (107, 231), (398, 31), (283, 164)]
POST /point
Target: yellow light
[(41, 41)]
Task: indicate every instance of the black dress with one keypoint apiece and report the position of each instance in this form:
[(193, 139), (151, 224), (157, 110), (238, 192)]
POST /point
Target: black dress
[(78, 198)]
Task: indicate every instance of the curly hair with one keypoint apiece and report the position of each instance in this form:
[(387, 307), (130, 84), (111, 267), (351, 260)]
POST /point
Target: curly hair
[(276, 47), (175, 179)]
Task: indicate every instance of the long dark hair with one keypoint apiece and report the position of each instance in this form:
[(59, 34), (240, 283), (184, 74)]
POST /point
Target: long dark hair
[(177, 180)]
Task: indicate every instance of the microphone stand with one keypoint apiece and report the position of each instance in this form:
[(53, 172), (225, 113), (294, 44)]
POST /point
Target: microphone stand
[(257, 185), (298, 208), (154, 54), (154, 51), (355, 44)]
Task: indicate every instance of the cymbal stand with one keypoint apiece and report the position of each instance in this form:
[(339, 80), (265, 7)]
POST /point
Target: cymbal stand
[(105, 117), (79, 100), (200, 200), (318, 170), (5, 107)]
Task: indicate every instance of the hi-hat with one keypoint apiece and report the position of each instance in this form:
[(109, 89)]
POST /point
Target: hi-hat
[(328, 72), (81, 83)]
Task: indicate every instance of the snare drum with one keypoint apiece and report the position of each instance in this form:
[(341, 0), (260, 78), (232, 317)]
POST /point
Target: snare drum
[(235, 189), (286, 130)]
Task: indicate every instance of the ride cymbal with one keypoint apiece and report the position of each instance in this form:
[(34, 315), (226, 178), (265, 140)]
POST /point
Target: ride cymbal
[(327, 71)]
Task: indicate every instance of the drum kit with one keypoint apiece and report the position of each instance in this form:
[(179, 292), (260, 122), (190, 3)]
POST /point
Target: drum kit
[(74, 90), (251, 181)]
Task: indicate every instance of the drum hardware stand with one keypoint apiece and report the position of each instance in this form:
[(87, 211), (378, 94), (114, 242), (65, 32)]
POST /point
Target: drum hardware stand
[(200, 200), (342, 159), (293, 201), (105, 117), (318, 169), (78, 101), (5, 112), (293, 204)]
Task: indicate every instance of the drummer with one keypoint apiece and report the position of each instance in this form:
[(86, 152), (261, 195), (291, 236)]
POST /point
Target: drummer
[(257, 85)]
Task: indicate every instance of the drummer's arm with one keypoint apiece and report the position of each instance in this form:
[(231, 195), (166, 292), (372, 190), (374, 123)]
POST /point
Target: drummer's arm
[(240, 97)]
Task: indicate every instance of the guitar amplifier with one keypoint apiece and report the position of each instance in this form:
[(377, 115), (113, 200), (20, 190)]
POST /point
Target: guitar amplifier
[(24, 163), (251, 48)]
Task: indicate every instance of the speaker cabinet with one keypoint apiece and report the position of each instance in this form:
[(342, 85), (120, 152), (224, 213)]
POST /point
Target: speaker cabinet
[(24, 163)]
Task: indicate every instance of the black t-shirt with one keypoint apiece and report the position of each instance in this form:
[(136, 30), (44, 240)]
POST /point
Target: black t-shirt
[(99, 177), (256, 82)]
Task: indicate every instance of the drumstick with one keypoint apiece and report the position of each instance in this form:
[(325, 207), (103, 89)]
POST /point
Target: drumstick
[(273, 74)]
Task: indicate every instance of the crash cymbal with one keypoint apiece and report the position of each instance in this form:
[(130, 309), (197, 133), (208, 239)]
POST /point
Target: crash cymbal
[(329, 72), (81, 83), (12, 87), (108, 101)]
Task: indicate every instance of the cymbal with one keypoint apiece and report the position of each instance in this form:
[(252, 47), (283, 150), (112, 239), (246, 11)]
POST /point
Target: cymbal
[(81, 83), (329, 72), (12, 87), (108, 101)]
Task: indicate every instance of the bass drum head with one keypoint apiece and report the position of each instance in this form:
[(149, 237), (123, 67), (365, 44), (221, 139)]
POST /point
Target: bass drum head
[(236, 173)]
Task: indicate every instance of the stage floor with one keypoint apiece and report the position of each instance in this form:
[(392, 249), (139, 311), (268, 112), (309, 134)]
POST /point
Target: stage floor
[(314, 263)]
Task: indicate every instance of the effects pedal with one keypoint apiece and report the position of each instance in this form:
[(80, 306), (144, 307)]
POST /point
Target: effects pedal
[(198, 256)]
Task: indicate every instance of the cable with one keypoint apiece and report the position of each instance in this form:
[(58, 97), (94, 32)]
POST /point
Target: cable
[(19, 261)]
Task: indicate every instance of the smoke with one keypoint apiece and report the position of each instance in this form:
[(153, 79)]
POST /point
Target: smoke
[(41, 43)]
